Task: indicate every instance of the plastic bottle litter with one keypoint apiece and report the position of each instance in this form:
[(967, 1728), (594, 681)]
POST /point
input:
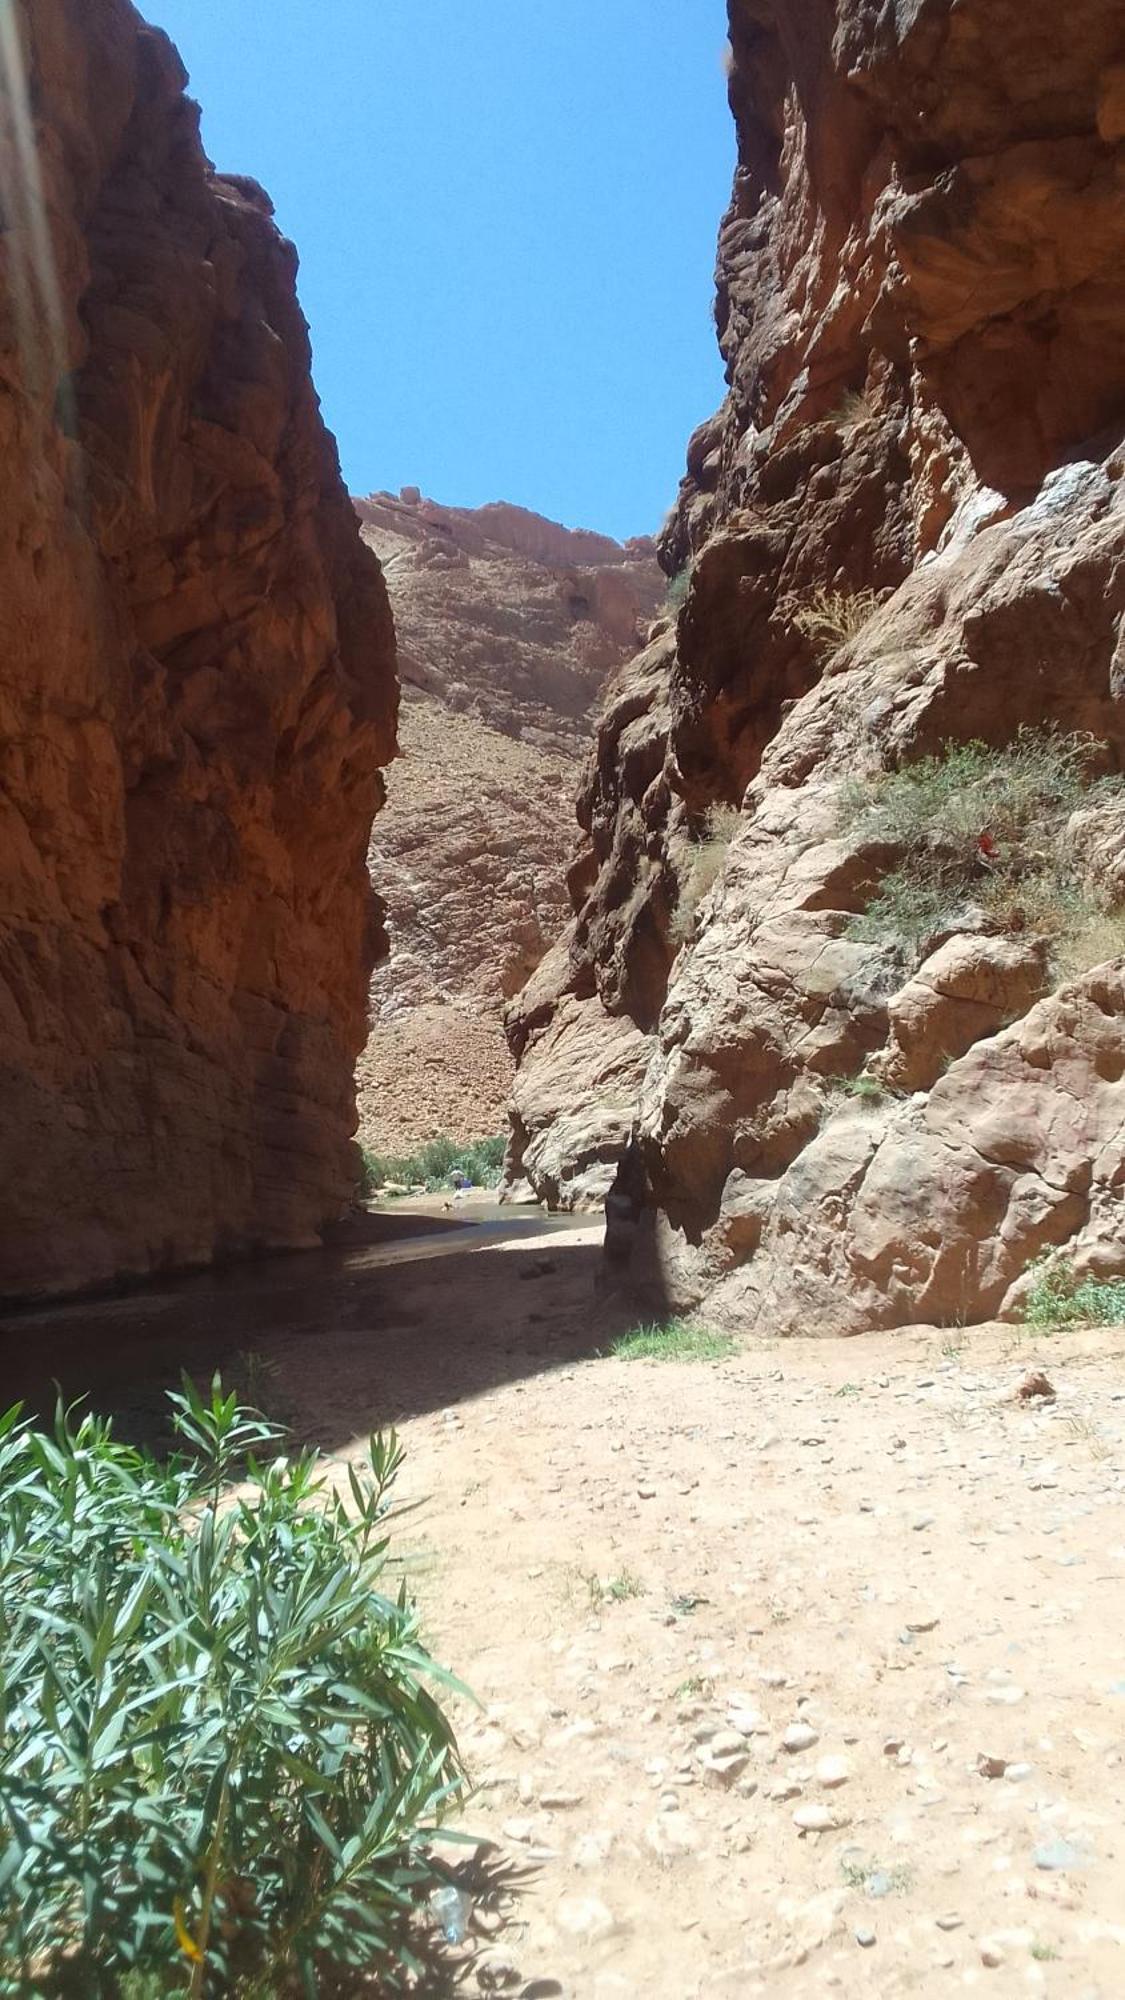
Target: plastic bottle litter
[(451, 1909)]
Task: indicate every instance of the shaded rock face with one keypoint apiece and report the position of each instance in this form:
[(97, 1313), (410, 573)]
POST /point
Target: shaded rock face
[(197, 691), (904, 528), (509, 626)]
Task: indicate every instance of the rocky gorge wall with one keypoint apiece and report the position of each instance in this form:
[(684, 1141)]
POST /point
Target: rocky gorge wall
[(197, 689), (509, 626), (904, 530)]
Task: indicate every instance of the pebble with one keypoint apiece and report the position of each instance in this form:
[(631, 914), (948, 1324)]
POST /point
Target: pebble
[(924, 1622), (560, 1801), (833, 1771), (865, 1938), (991, 1954), (671, 1835), (724, 1770), (1062, 1854), (747, 1721), (991, 1767), (799, 1736), (727, 1743), (585, 1917), (1004, 1696), (818, 1819), (496, 1972), (950, 1922)]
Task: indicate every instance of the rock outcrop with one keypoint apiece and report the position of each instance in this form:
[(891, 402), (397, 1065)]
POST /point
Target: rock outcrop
[(905, 528), (509, 626), (198, 689)]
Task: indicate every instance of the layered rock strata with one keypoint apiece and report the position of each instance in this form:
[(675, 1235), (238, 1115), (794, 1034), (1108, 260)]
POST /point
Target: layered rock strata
[(197, 692), (509, 626), (905, 528)]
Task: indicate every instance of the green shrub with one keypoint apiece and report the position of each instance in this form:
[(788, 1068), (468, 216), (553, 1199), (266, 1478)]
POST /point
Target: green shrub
[(220, 1765), (435, 1164), (863, 1089), (675, 596), (978, 829), (673, 1340), (1059, 1298)]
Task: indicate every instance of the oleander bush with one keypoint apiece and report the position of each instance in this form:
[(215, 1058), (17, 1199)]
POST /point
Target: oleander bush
[(221, 1762)]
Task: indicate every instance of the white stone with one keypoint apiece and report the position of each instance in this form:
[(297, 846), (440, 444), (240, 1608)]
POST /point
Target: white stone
[(585, 1917), (833, 1771), (818, 1819)]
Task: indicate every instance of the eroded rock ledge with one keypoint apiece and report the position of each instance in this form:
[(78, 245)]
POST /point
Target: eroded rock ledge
[(921, 303), (197, 692)]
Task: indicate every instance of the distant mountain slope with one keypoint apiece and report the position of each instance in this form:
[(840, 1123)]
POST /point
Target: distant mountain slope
[(509, 626)]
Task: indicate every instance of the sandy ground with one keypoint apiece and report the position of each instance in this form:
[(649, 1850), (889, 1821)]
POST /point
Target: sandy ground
[(742, 1632)]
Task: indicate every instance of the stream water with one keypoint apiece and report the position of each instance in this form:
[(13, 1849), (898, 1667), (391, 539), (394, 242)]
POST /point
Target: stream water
[(123, 1349)]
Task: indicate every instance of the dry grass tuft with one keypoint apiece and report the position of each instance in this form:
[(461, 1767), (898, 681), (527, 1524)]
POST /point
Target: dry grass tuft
[(830, 618), (708, 854)]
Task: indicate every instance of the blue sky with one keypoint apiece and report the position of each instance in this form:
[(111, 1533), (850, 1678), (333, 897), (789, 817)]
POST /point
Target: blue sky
[(506, 213)]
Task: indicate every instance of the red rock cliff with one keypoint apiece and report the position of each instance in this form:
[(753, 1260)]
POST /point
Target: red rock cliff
[(197, 690), (904, 529)]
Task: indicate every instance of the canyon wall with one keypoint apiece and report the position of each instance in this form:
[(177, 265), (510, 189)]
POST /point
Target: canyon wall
[(197, 693), (904, 530), (509, 627)]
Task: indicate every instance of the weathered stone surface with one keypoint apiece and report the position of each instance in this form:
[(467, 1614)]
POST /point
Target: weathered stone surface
[(198, 690), (967, 989), (508, 627), (921, 305)]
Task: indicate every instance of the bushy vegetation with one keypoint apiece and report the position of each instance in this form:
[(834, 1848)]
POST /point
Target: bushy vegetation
[(979, 829), (706, 856), (862, 1089), (829, 618), (673, 1340), (440, 1163), (675, 596), (220, 1762), (1059, 1298)]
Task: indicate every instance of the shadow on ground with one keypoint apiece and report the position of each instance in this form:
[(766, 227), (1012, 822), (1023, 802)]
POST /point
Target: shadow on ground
[(409, 1315)]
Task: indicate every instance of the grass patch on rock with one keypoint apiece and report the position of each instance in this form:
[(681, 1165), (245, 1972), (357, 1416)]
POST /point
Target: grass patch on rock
[(706, 856), (674, 1340), (980, 834)]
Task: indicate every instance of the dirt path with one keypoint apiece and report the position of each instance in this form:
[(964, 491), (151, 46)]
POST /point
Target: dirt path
[(651, 1573)]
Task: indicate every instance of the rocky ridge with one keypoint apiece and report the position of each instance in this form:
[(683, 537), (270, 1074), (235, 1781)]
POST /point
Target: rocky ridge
[(198, 690), (509, 626), (904, 529)]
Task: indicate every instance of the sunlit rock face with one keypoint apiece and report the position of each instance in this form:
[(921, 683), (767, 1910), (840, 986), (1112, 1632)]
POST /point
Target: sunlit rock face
[(904, 528), (196, 696), (509, 626)]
